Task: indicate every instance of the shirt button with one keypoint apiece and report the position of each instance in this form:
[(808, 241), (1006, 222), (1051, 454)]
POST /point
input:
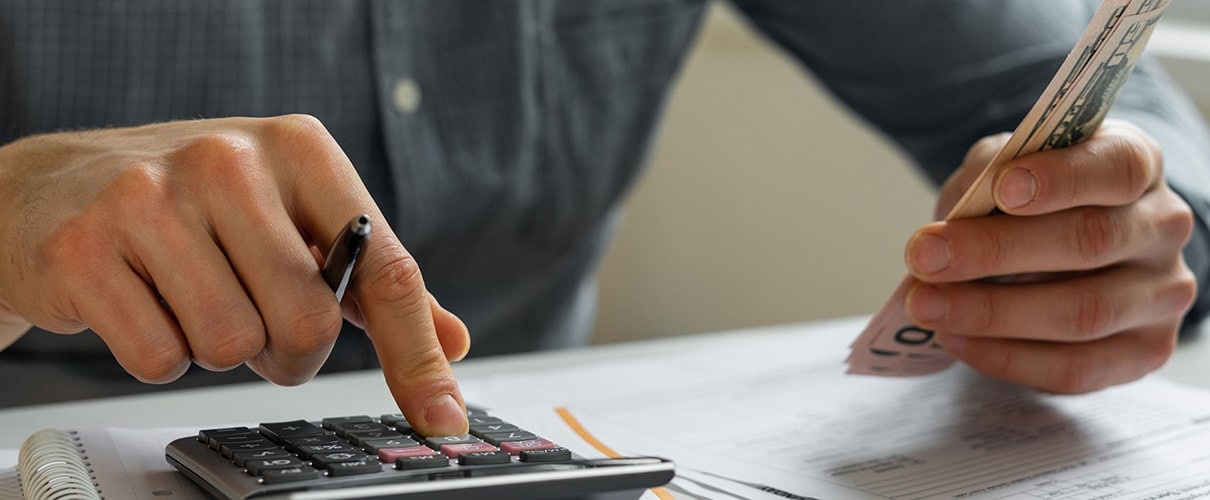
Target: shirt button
[(406, 95)]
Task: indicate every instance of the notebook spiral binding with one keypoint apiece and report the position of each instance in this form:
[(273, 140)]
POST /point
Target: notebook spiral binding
[(52, 465)]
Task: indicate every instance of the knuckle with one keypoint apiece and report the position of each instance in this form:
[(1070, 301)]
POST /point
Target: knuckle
[(233, 348), (310, 329), (1176, 224), (156, 363), (1136, 162), (138, 191), (293, 128), (1183, 290), (1094, 314), (217, 150), (397, 279), (1156, 352), (1098, 236), (226, 164)]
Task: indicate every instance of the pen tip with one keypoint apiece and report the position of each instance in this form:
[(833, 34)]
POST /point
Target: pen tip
[(361, 225)]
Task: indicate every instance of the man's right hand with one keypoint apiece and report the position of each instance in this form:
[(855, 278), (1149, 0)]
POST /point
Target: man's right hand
[(196, 241)]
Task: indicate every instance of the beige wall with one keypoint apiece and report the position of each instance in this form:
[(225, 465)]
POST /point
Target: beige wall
[(764, 203)]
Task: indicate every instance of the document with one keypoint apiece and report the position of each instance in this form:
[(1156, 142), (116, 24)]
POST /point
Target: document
[(774, 410)]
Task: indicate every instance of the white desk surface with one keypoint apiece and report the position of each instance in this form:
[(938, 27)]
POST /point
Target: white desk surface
[(365, 392)]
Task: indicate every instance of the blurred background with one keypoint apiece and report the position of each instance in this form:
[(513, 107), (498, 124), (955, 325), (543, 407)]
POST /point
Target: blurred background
[(767, 203)]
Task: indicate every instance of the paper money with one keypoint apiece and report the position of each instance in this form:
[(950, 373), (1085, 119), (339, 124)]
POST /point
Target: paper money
[(1070, 109)]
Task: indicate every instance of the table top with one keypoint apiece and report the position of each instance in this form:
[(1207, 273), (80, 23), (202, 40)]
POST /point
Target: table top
[(366, 389)]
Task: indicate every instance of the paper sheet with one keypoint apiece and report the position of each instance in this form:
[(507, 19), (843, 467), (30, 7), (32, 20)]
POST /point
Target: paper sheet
[(796, 423)]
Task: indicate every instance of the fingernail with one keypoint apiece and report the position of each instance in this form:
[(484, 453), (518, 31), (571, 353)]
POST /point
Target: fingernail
[(953, 343), (1018, 188), (929, 254), (445, 416), (927, 304)]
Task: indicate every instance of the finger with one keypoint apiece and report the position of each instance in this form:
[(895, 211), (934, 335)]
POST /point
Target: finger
[(1067, 368), (1078, 309), (300, 315), (390, 293), (195, 279), (976, 160), (1076, 239), (387, 283), (141, 334), (1114, 167)]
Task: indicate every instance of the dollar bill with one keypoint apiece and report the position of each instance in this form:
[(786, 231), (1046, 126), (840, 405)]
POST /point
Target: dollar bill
[(1070, 109)]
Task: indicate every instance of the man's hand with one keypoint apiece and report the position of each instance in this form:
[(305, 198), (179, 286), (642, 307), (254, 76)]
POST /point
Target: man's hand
[(197, 241), (1082, 287)]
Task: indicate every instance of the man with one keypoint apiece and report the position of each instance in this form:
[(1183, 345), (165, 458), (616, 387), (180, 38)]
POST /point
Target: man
[(490, 142)]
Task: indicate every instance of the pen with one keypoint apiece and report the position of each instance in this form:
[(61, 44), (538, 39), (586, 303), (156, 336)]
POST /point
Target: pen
[(338, 265)]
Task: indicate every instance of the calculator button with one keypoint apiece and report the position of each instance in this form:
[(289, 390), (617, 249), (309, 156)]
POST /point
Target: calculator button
[(389, 455), (481, 429), (217, 441), (289, 474), (484, 458), (345, 428), (471, 411), (373, 445), (260, 444), (483, 419), (454, 450), (367, 466), (326, 460), (332, 422), (241, 457), (306, 452), (206, 435), (422, 462), (499, 437), (516, 447), (256, 467), (397, 422), (359, 438), (278, 431), (437, 442), (547, 455), (295, 443)]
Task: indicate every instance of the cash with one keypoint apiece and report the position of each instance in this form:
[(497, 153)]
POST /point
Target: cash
[(1070, 109)]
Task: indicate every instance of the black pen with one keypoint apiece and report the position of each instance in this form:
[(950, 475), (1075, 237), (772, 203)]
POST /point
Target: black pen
[(338, 265)]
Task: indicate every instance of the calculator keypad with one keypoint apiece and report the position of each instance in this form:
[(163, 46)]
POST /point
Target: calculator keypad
[(298, 450)]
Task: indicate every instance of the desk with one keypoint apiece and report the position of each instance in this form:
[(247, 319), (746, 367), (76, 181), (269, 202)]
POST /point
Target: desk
[(727, 403), (367, 391)]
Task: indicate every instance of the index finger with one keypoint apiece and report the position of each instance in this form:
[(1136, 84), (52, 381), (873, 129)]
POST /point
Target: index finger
[(325, 193), (1114, 167), (390, 292)]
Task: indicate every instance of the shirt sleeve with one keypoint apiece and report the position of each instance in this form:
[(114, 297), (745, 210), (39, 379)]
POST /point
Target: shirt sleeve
[(935, 76)]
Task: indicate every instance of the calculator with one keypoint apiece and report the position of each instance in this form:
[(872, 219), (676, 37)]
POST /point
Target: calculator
[(366, 457)]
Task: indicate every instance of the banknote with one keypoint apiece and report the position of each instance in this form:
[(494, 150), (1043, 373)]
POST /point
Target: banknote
[(1070, 109)]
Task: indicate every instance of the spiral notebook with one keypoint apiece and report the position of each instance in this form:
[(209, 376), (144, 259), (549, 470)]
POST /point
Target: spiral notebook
[(97, 463)]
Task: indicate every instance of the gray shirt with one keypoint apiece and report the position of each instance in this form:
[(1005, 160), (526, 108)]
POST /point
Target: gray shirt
[(499, 137)]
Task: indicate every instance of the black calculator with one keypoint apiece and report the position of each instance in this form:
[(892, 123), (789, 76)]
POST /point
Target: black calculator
[(365, 457)]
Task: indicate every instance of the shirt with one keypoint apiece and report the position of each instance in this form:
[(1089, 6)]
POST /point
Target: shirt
[(500, 137)]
